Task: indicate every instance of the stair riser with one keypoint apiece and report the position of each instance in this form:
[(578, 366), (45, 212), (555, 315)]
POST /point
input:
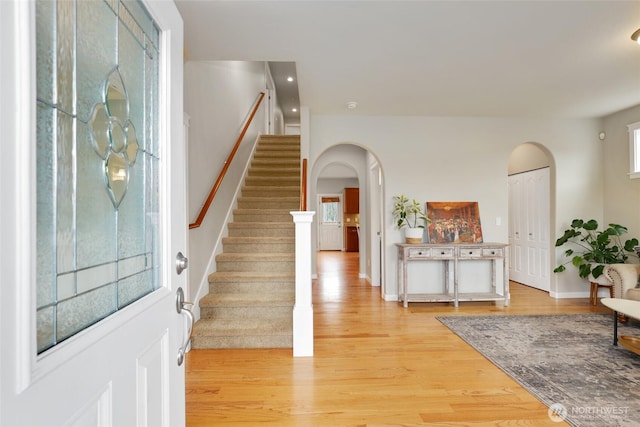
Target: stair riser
[(295, 142), (279, 151), (260, 171), (257, 266), (276, 176), (225, 313), (238, 248), (272, 181), (275, 164), (275, 156), (250, 287), (270, 192), (257, 217), (278, 341), (261, 232), (268, 203), (275, 144)]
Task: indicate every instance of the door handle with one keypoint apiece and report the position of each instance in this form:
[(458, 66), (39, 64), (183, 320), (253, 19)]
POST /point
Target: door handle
[(181, 309)]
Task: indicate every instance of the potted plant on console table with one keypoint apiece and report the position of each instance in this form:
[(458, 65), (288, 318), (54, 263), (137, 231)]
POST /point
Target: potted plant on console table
[(409, 215), (594, 249)]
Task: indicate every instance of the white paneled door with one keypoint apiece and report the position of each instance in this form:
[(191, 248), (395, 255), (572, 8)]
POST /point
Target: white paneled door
[(121, 369), (529, 217), (330, 231)]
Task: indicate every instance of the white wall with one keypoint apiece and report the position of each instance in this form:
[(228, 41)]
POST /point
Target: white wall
[(218, 97), (527, 157), (335, 185), (437, 159), (621, 194)]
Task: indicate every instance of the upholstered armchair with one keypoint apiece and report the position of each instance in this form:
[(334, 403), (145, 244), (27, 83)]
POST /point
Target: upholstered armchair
[(625, 280)]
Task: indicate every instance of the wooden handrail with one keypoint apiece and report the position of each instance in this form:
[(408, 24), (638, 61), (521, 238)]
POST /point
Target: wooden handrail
[(227, 163), (303, 186)]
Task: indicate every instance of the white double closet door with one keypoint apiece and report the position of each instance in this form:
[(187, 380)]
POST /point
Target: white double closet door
[(529, 217)]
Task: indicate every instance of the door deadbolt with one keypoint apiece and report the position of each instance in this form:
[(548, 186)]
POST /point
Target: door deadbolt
[(182, 262)]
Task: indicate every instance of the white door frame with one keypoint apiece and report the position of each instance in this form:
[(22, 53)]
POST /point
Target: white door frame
[(48, 389), (376, 225)]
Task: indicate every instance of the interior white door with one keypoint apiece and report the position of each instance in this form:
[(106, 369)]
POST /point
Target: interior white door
[(330, 229), (122, 370), (529, 195)]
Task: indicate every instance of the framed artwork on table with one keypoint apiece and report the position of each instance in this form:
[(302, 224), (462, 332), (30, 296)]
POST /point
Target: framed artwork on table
[(454, 222)]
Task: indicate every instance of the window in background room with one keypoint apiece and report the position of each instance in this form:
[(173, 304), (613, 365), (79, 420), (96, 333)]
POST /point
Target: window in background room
[(634, 150), (330, 211)]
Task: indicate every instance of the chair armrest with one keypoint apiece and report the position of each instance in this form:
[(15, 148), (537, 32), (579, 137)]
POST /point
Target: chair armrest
[(623, 277)]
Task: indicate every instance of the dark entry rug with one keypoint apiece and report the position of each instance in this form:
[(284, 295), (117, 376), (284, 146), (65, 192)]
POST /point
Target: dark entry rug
[(567, 361)]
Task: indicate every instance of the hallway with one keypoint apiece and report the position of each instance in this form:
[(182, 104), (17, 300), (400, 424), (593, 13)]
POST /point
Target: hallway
[(375, 363)]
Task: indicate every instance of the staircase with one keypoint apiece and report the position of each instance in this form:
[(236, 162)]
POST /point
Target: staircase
[(251, 296)]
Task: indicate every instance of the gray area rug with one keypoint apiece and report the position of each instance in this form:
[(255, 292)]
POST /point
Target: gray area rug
[(567, 361)]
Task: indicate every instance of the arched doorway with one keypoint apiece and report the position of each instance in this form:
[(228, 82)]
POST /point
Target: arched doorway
[(531, 183), (330, 174), (333, 218)]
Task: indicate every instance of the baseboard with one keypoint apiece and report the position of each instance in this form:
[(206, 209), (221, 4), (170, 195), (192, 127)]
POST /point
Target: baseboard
[(564, 295)]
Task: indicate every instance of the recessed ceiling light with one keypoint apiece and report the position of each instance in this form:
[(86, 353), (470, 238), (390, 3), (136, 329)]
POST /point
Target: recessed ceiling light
[(294, 110), (352, 105), (289, 79)]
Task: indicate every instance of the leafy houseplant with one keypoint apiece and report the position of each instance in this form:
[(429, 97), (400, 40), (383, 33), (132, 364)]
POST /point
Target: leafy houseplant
[(408, 213), (595, 247)]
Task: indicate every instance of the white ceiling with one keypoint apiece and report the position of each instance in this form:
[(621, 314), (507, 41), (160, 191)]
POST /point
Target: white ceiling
[(437, 58), (286, 91)]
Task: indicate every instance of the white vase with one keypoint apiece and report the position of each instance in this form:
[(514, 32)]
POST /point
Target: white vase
[(413, 235)]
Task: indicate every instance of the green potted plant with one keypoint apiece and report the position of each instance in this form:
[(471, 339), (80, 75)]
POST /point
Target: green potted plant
[(594, 248), (408, 214)]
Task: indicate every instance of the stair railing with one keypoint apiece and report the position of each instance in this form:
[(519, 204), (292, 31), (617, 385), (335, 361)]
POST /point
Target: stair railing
[(227, 163), (303, 186)]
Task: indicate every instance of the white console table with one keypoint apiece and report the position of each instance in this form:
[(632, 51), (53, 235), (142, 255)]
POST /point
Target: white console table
[(456, 252)]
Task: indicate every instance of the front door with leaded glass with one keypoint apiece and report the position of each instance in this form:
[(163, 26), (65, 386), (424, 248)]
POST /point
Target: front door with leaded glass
[(95, 213)]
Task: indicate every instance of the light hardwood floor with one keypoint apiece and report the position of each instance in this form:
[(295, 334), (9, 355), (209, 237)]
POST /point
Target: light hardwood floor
[(375, 363)]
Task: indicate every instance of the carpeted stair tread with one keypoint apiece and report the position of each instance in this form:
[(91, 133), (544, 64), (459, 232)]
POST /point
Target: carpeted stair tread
[(259, 240), (282, 188), (278, 181), (262, 215), (248, 282), (264, 229), (283, 191), (268, 171), (243, 333), (261, 244), (248, 299), (274, 157), (287, 203), (252, 325), (275, 163), (225, 276), (255, 257), (258, 225)]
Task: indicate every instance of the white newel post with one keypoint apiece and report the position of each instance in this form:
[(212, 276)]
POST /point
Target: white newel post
[(303, 309)]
